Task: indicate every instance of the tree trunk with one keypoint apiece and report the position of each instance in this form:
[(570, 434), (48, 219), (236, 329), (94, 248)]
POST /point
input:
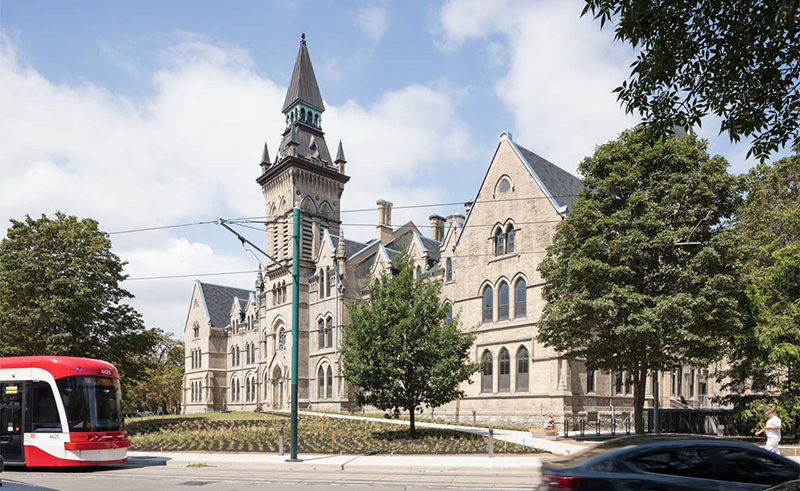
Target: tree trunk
[(639, 385), (412, 428)]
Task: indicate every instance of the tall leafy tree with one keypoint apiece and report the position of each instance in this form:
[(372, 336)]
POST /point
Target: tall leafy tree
[(645, 274), (400, 350), (60, 294), (738, 60), (766, 358)]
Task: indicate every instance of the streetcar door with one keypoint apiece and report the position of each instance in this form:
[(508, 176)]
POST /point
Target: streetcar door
[(11, 438)]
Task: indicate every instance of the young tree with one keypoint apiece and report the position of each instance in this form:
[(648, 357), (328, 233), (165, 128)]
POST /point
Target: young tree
[(161, 384), (644, 274), (400, 350), (60, 294), (735, 59), (766, 357)]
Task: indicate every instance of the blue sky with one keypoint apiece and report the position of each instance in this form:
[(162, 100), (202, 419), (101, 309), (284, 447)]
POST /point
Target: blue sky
[(151, 113)]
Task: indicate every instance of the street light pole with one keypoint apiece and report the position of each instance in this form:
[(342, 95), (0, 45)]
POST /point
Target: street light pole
[(295, 328)]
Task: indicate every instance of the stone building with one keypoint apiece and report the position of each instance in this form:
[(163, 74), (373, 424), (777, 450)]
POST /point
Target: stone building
[(238, 343)]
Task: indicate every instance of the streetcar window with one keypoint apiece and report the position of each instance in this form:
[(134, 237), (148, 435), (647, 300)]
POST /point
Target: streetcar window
[(44, 412), (91, 403)]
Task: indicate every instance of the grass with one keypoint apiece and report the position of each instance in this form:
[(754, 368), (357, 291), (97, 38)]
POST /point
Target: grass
[(252, 432)]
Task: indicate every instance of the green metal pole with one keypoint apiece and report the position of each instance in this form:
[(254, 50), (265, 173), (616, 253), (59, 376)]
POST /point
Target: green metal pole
[(295, 328)]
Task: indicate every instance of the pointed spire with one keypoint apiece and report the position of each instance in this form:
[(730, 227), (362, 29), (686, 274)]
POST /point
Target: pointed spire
[(265, 163), (303, 85), (259, 280), (340, 154), (265, 155), (340, 251)]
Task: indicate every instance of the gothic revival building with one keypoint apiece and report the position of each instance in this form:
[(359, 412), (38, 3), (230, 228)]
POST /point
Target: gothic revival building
[(238, 342)]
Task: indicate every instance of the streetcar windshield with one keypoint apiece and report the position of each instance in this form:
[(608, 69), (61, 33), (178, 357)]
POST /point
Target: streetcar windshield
[(91, 403)]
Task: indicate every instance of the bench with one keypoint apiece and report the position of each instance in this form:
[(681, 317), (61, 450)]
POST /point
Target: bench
[(542, 433)]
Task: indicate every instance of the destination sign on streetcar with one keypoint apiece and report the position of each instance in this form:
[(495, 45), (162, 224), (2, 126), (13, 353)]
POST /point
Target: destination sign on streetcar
[(60, 411)]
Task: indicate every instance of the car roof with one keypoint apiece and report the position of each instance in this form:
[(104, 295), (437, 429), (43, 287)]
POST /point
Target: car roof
[(636, 443)]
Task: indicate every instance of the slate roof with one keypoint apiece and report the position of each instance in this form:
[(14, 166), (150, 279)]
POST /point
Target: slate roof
[(302, 134), (432, 246), (350, 246), (303, 85), (218, 300), (562, 185)]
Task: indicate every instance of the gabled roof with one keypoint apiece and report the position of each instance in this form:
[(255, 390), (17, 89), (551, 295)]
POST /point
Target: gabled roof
[(350, 246), (218, 300), (303, 85), (562, 186)]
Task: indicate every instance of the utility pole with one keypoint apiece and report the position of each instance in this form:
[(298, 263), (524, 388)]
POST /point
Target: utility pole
[(656, 428), (295, 327), (295, 313)]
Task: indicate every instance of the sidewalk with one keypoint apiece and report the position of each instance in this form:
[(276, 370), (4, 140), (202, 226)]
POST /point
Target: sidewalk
[(519, 437), (526, 464)]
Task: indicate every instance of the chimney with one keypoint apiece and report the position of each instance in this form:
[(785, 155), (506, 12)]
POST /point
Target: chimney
[(385, 234), (437, 227), (453, 217), (467, 207)]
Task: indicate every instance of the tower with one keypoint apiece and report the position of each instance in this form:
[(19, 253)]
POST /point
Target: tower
[(303, 171)]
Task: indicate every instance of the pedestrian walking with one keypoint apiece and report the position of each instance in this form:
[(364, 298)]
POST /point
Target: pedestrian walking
[(773, 431)]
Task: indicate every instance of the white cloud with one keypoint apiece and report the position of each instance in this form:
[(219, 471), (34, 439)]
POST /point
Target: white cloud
[(561, 73), (190, 151), (373, 21), (164, 302)]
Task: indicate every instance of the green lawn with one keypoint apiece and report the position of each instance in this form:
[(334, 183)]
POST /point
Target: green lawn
[(252, 432)]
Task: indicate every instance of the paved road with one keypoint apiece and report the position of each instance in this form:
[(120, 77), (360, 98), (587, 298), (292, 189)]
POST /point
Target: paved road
[(230, 478)]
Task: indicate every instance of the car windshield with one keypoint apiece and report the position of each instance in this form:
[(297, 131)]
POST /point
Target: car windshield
[(91, 403)]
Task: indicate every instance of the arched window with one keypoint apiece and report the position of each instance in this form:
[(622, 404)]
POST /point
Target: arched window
[(590, 381), (449, 315), (281, 339), (253, 354), (329, 383), (238, 356), (234, 384), (274, 294), (321, 334), (448, 268), (247, 354), (520, 298), (502, 302), (321, 284), (331, 280), (504, 371), (499, 242), (488, 304), (247, 389), (503, 186), (510, 233), (523, 367), (233, 356), (321, 383), (487, 373), (329, 332), (419, 272), (302, 114)]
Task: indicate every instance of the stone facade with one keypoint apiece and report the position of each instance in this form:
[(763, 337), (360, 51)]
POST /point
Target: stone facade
[(487, 259)]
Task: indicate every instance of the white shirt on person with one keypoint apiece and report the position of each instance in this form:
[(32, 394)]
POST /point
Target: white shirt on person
[(772, 422)]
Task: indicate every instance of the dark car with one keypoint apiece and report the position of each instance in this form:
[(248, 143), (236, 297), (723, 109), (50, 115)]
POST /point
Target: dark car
[(669, 462)]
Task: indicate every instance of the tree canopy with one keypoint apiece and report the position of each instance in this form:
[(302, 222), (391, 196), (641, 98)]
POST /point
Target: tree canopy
[(401, 349), (60, 294), (738, 60), (766, 357), (163, 377), (644, 273)]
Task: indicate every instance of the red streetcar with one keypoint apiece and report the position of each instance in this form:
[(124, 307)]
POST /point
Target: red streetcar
[(60, 411)]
